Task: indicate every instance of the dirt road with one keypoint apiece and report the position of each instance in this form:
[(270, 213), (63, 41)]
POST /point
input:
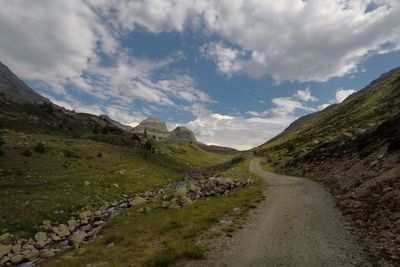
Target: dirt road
[(297, 225)]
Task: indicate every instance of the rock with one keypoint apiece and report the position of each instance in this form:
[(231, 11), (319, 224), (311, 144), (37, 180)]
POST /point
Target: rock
[(87, 183), (47, 253), (4, 250), (94, 231), (46, 224), (121, 172), (4, 260), (115, 185), (41, 239), (110, 245), (4, 237), (17, 259), (85, 216), (137, 200), (165, 204), (236, 210), (61, 230), (78, 238), (55, 237), (182, 190), (72, 224), (16, 248), (32, 254)]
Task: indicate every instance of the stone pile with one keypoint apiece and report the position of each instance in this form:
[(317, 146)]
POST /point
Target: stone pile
[(54, 238)]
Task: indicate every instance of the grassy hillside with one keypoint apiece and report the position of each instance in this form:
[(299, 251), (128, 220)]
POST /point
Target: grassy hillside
[(361, 112), (354, 149), (79, 173)]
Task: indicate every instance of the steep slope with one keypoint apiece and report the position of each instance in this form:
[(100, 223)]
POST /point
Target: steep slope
[(354, 149), (53, 162), (182, 133), (15, 89), (152, 126)]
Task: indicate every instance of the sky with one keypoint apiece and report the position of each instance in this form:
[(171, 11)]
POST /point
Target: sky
[(235, 72)]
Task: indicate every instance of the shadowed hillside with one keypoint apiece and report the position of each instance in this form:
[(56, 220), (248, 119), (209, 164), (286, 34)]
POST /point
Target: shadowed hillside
[(353, 148)]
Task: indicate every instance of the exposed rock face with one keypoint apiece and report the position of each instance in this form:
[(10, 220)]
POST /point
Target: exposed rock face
[(153, 126), (13, 88), (182, 133)]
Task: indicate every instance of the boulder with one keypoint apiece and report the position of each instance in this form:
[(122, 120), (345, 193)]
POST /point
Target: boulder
[(16, 259), (137, 200), (72, 224), (4, 250), (85, 216), (41, 239), (31, 254), (16, 248), (46, 225), (4, 237), (78, 238), (47, 253), (61, 230)]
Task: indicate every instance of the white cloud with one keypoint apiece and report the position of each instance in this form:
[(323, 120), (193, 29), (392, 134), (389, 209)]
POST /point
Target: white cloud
[(305, 95), (305, 40), (236, 131), (227, 59), (342, 94)]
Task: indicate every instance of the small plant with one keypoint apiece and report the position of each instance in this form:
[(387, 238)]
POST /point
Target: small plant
[(70, 154), (40, 147), (100, 155), (27, 153), (2, 153)]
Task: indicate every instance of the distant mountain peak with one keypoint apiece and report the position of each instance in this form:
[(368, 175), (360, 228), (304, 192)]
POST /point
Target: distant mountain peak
[(182, 133)]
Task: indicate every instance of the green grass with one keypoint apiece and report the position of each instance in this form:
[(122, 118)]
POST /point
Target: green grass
[(162, 237), (365, 110), (51, 184)]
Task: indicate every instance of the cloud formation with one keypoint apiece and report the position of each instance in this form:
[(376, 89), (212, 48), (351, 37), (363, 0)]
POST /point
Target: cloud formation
[(75, 46)]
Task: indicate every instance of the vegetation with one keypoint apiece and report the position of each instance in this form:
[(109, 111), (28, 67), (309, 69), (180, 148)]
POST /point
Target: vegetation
[(162, 237), (52, 186), (361, 112)]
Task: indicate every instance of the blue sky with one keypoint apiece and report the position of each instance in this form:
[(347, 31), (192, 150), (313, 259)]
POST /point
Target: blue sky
[(235, 72)]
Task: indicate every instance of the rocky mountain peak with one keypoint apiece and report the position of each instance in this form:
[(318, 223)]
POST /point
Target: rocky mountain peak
[(182, 133)]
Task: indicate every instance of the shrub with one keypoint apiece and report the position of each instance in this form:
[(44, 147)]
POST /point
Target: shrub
[(40, 147), (27, 153), (1, 153), (100, 155), (70, 154)]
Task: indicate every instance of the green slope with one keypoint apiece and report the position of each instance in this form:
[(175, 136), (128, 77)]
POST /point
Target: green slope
[(361, 112)]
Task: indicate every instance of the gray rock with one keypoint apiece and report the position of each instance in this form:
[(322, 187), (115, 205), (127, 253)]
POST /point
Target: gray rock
[(78, 238), (47, 253), (137, 200), (4, 237), (41, 239), (17, 259), (4, 250)]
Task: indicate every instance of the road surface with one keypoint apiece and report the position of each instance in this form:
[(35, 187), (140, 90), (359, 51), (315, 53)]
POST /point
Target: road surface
[(297, 225)]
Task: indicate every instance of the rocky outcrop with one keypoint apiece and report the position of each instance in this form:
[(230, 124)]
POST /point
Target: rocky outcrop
[(152, 126), (182, 133)]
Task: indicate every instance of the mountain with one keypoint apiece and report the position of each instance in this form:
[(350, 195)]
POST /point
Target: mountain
[(354, 149), (15, 89), (182, 133), (152, 126)]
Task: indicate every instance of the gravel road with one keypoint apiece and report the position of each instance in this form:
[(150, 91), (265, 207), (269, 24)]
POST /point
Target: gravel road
[(297, 225)]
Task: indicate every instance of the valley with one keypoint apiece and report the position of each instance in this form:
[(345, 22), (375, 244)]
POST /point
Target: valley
[(84, 190)]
